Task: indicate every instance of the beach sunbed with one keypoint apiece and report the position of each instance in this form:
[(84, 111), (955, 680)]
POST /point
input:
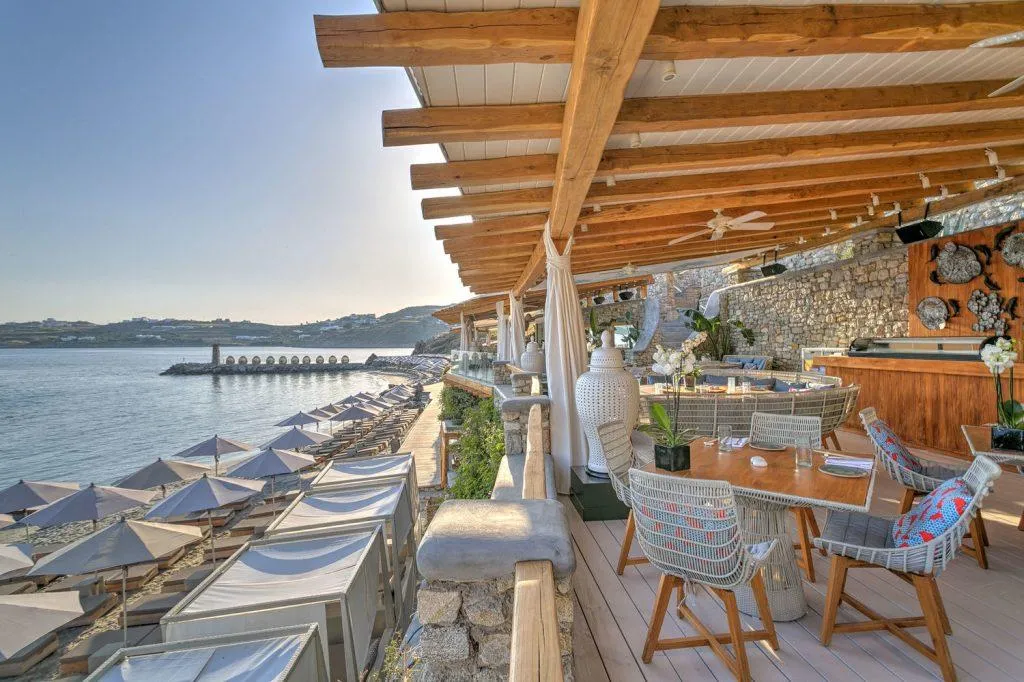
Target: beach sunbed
[(20, 587), (138, 575), (185, 579), (75, 660), (24, 660), (95, 607), (150, 609)]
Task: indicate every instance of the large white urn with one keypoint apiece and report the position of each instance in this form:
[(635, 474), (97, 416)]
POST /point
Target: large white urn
[(532, 359), (606, 393)]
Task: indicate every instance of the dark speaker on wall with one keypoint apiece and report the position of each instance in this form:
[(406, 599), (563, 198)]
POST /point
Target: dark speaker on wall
[(773, 269), (919, 231)]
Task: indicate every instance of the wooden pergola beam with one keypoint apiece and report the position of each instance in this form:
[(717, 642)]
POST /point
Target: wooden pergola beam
[(533, 222), (609, 39), (545, 36), (722, 155), (682, 186), (432, 125)]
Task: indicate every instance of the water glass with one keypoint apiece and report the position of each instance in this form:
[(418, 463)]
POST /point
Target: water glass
[(731, 385), (724, 436), (745, 386), (804, 453)]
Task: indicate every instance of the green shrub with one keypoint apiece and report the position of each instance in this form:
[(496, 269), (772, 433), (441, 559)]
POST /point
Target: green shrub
[(455, 402), (480, 448)]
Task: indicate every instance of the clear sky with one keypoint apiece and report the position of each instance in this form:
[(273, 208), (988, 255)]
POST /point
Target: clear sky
[(194, 159)]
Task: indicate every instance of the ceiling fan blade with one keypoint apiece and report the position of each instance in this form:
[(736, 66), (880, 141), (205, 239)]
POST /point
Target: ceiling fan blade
[(747, 217), (692, 235), (717, 234), (754, 226), (1004, 39), (1009, 87)]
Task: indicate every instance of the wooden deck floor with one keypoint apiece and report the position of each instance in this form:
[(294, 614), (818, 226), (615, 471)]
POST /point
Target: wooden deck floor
[(422, 440), (986, 609)]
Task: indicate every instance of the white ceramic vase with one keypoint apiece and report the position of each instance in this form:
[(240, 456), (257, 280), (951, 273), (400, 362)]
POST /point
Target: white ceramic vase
[(532, 359), (606, 393)]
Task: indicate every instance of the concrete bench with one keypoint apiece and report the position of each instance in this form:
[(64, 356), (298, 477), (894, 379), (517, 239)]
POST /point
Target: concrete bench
[(508, 486)]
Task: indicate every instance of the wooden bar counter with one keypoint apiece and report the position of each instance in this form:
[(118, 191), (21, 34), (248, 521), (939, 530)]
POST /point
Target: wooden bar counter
[(925, 401)]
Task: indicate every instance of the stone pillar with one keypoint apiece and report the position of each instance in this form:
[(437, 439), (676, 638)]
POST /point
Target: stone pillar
[(515, 417), (215, 355)]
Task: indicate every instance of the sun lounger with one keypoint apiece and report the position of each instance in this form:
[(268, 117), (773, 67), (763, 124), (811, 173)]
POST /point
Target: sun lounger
[(95, 606), (186, 579), (18, 575), (171, 558), (202, 519), (225, 547), (76, 660), (270, 509), (91, 583), (20, 587), (22, 661), (138, 575), (39, 551), (251, 527), (150, 608)]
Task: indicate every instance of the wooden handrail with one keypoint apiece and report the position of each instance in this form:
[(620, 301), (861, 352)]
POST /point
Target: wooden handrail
[(536, 656)]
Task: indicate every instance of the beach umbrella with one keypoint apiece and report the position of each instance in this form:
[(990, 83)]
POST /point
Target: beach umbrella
[(205, 495), (271, 463), (295, 438), (161, 472), (345, 402), (28, 494), (119, 545), (377, 403), (6, 521), (214, 447), (300, 419), (356, 413), (27, 617), (323, 414), (88, 504), (15, 557)]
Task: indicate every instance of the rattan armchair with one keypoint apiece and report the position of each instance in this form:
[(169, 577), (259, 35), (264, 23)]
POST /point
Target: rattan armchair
[(858, 540), (787, 430), (918, 477), (620, 455), (689, 529)]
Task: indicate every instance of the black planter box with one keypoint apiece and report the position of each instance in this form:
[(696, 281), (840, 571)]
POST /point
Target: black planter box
[(1005, 438), (675, 458)]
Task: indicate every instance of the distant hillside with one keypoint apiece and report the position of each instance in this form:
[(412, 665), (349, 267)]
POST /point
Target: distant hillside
[(400, 329)]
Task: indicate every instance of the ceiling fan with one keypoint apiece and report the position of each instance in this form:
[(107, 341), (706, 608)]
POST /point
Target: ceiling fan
[(720, 224), (997, 41)]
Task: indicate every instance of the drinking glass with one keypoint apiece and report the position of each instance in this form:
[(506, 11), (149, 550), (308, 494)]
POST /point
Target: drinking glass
[(724, 434), (745, 386), (804, 454)]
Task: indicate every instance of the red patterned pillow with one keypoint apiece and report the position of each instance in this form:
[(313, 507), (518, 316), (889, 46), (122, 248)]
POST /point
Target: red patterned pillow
[(936, 513)]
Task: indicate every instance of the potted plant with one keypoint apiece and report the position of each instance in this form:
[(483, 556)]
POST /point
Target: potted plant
[(1000, 354), (625, 295), (718, 333), (672, 445), (598, 300)]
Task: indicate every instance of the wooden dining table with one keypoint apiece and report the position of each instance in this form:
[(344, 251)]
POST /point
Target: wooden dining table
[(764, 497), (979, 441)]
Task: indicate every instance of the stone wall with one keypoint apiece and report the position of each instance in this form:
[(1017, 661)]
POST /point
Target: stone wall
[(830, 303), (515, 418)]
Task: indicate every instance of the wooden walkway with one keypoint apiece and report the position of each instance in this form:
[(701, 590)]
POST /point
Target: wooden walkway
[(422, 440), (986, 609)]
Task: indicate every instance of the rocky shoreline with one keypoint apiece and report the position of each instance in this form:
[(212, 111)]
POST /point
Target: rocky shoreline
[(200, 368)]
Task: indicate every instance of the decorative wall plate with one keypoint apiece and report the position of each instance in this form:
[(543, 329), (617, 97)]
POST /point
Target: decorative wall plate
[(1013, 249), (933, 313), (957, 264)]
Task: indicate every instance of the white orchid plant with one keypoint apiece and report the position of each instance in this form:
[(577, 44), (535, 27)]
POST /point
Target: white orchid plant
[(676, 365), (1000, 356)]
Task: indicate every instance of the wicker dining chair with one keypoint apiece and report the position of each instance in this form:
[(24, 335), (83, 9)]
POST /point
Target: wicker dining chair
[(785, 429), (620, 455), (689, 529), (918, 477), (858, 540)]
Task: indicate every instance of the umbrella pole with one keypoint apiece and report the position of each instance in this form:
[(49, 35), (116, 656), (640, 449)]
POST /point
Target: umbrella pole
[(216, 464), (272, 486), (124, 603), (213, 548)]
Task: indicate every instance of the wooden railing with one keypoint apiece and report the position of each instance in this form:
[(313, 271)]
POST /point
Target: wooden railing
[(535, 653)]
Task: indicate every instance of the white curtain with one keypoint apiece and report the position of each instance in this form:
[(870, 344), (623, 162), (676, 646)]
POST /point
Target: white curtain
[(566, 359), (516, 329), (499, 310)]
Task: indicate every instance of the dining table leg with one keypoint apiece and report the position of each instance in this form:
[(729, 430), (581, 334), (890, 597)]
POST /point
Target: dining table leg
[(762, 521)]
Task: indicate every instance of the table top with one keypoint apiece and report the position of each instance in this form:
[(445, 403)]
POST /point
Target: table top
[(781, 481), (979, 440), (715, 391)]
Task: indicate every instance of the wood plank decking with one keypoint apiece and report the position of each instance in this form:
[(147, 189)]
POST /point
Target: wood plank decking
[(986, 609), (422, 440)]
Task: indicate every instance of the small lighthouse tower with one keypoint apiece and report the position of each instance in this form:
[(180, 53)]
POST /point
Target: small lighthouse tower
[(215, 355)]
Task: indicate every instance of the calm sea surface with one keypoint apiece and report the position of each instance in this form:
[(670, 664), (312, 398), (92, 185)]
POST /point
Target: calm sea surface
[(93, 415)]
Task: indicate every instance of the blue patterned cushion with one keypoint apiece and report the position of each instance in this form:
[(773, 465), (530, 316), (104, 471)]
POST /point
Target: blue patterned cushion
[(937, 512), (891, 444)]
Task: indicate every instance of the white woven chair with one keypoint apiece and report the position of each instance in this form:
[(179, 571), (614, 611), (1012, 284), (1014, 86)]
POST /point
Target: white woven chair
[(858, 540), (922, 481), (689, 529), (788, 430), (620, 455)]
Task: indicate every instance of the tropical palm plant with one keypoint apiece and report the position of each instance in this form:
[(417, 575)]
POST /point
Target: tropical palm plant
[(720, 333)]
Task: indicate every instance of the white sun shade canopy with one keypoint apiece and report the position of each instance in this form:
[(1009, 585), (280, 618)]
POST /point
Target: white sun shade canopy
[(367, 469), (29, 494), (88, 504), (214, 447), (290, 581), (291, 654), (299, 419), (297, 438), (124, 543), (272, 462), (24, 618), (205, 494), (15, 557), (163, 472), (328, 507)]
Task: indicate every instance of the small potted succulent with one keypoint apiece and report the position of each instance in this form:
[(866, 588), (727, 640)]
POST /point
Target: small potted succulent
[(999, 353), (672, 444), (598, 300), (625, 295)]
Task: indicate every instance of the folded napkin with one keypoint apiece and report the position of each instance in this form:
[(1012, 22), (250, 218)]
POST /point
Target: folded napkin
[(849, 462), (736, 441)]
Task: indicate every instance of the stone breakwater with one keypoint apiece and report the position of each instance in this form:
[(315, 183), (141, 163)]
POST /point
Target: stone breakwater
[(198, 368)]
